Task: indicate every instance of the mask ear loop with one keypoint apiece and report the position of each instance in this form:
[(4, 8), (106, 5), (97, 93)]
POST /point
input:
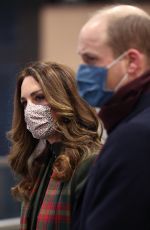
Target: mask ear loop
[(113, 63), (120, 83), (116, 60)]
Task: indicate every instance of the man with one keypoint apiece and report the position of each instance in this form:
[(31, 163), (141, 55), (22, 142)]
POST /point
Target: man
[(115, 75)]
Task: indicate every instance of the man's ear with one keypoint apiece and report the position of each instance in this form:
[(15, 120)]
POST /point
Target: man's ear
[(135, 63)]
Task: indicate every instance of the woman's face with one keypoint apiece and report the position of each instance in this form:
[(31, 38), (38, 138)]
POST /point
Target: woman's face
[(31, 92), (40, 121)]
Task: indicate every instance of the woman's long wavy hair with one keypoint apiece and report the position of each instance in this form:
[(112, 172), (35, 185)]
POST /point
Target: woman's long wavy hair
[(77, 123)]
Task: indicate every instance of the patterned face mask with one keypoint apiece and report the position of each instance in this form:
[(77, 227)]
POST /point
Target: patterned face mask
[(39, 121)]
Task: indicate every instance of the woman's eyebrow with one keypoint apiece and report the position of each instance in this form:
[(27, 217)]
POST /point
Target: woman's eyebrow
[(35, 92)]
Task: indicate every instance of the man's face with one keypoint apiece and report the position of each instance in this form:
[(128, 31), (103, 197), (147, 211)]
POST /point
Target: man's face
[(93, 50)]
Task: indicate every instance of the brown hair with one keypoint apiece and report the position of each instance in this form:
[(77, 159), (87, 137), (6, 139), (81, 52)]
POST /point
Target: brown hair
[(76, 121), (132, 31)]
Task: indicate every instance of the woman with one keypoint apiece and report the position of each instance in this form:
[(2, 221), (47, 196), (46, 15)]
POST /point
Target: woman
[(53, 131)]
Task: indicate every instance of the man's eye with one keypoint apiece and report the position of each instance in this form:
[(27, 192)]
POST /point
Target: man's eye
[(89, 60)]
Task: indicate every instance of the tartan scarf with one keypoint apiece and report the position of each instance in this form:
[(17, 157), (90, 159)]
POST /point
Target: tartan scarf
[(49, 205), (124, 102)]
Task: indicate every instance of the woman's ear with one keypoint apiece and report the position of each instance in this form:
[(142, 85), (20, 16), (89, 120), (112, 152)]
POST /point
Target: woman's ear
[(135, 63)]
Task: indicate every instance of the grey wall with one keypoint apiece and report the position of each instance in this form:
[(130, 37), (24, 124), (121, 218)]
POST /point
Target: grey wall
[(18, 45)]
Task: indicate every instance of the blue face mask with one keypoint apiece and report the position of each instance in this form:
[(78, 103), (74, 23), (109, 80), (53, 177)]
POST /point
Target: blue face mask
[(91, 83)]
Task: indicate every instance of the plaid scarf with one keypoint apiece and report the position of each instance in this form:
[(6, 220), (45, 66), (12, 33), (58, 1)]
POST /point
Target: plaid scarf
[(49, 205)]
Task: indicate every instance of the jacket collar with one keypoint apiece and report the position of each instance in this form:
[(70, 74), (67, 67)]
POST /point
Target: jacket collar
[(127, 101)]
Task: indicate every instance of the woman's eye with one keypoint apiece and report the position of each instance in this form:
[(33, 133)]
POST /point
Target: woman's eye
[(39, 97)]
